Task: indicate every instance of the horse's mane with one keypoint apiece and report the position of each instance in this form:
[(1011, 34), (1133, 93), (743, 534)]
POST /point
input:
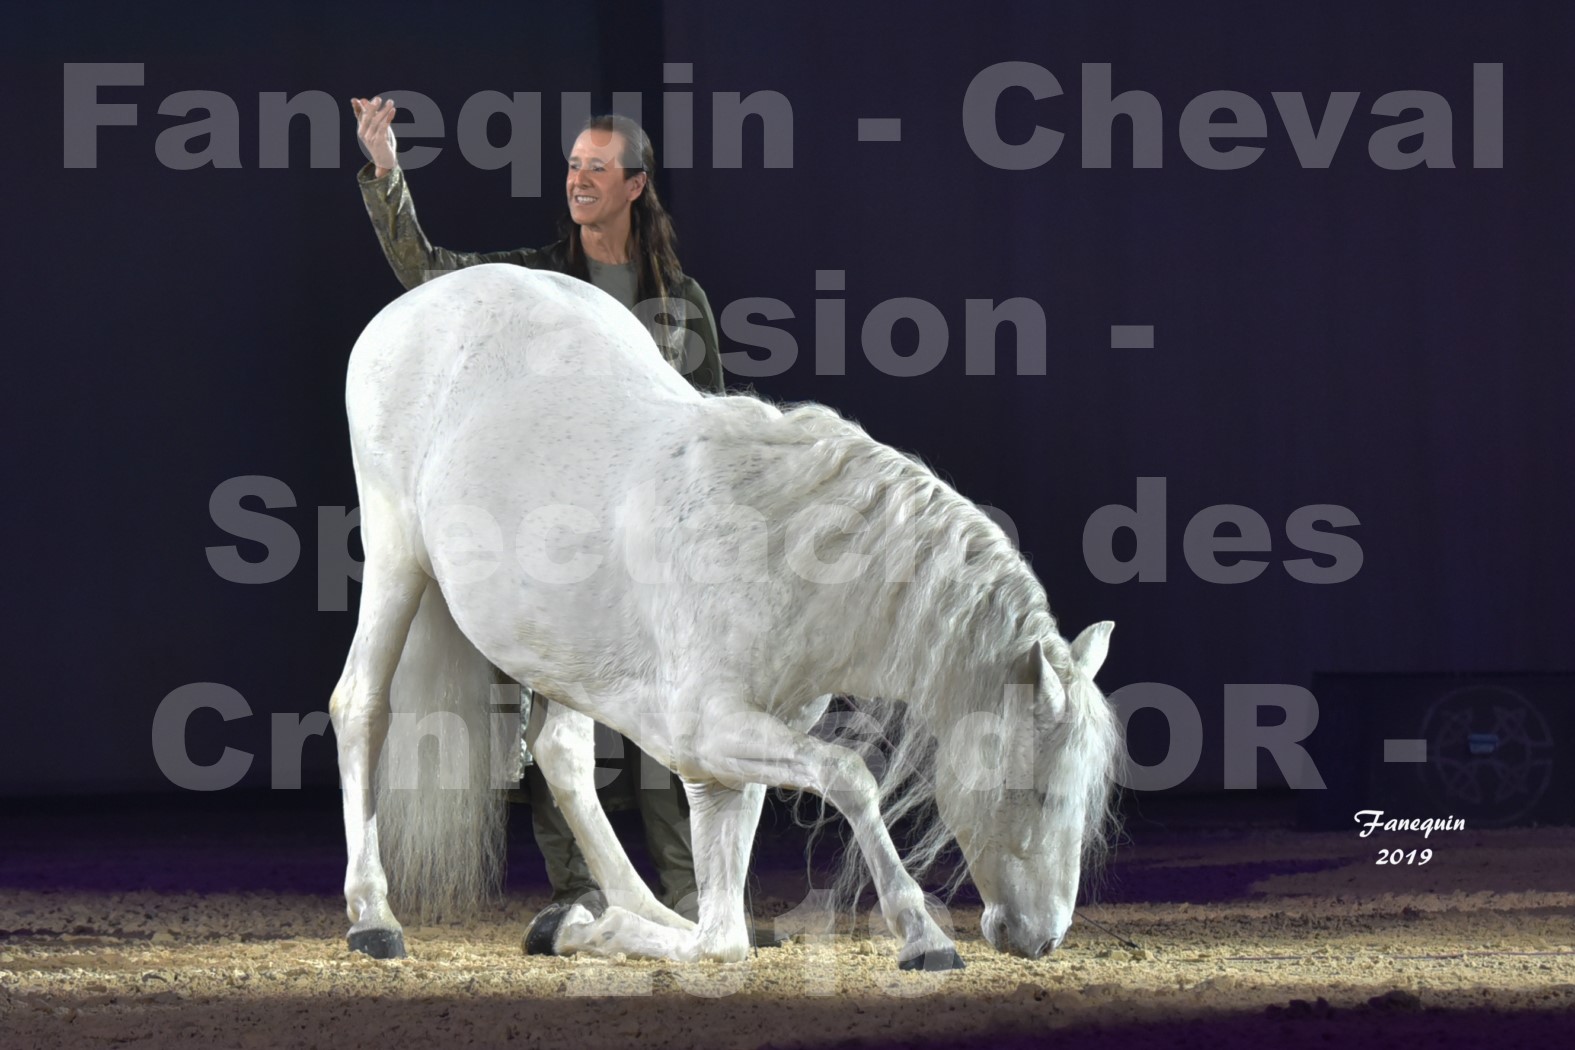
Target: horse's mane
[(949, 633)]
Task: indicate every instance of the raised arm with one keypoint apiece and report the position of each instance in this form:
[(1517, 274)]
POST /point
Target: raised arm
[(375, 128), (387, 197)]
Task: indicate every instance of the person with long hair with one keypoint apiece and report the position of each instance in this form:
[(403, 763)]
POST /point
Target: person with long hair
[(617, 236)]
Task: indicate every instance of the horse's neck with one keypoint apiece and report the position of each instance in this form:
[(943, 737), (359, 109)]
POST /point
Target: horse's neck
[(904, 631), (920, 657)]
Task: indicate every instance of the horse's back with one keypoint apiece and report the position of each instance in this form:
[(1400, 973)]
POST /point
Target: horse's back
[(501, 347)]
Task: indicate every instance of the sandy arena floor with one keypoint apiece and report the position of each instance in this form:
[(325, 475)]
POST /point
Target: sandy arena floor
[(167, 933)]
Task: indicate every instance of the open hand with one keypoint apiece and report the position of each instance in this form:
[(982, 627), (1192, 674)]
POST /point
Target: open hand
[(374, 127)]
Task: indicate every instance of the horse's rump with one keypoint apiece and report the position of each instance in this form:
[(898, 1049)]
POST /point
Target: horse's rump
[(486, 348)]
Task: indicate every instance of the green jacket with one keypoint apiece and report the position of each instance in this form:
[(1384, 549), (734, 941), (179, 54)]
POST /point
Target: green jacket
[(415, 259)]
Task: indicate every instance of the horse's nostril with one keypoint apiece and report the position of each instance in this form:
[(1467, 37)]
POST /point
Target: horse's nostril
[(1000, 934), (1045, 949)]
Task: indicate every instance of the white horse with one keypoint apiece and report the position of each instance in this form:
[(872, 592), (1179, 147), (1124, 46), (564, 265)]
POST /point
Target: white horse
[(541, 491)]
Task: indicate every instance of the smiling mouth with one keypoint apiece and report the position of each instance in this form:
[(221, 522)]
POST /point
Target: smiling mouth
[(577, 199)]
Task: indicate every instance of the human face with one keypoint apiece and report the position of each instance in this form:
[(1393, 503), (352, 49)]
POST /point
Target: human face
[(598, 191)]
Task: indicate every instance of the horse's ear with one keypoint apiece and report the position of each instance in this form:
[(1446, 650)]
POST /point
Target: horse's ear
[(1047, 684), (1092, 646)]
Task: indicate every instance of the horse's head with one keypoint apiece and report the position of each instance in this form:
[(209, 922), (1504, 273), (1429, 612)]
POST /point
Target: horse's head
[(1036, 797)]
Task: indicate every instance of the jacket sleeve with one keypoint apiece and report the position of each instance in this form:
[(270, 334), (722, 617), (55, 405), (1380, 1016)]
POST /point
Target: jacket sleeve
[(414, 258), (707, 375)]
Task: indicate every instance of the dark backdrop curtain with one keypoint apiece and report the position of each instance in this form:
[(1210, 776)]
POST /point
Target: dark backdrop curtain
[(1394, 342)]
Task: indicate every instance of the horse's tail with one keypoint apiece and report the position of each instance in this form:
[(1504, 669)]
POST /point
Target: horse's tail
[(440, 820)]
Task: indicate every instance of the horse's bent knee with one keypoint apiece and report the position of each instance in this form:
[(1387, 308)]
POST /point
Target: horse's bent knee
[(845, 771)]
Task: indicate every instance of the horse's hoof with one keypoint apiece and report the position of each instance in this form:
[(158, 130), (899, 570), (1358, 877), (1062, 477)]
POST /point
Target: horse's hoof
[(542, 934), (379, 944), (938, 961)]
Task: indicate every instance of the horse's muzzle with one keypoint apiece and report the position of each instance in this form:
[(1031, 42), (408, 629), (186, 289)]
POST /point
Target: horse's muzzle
[(1013, 935)]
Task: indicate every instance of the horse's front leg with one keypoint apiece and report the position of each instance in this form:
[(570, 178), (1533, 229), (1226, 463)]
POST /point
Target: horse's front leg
[(564, 744), (359, 709), (722, 823), (753, 747)]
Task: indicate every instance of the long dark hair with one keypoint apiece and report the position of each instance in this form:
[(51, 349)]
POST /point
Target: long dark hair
[(652, 242)]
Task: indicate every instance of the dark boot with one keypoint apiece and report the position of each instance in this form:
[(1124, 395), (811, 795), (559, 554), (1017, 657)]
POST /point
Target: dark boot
[(567, 871)]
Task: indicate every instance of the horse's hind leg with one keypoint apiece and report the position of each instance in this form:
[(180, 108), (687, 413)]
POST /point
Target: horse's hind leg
[(390, 594), (723, 822)]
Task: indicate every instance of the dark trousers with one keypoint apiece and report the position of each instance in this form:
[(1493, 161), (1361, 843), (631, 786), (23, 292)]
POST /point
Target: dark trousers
[(663, 812)]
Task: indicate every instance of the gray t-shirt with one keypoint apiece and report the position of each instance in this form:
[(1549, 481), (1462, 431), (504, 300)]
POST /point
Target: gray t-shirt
[(616, 279)]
